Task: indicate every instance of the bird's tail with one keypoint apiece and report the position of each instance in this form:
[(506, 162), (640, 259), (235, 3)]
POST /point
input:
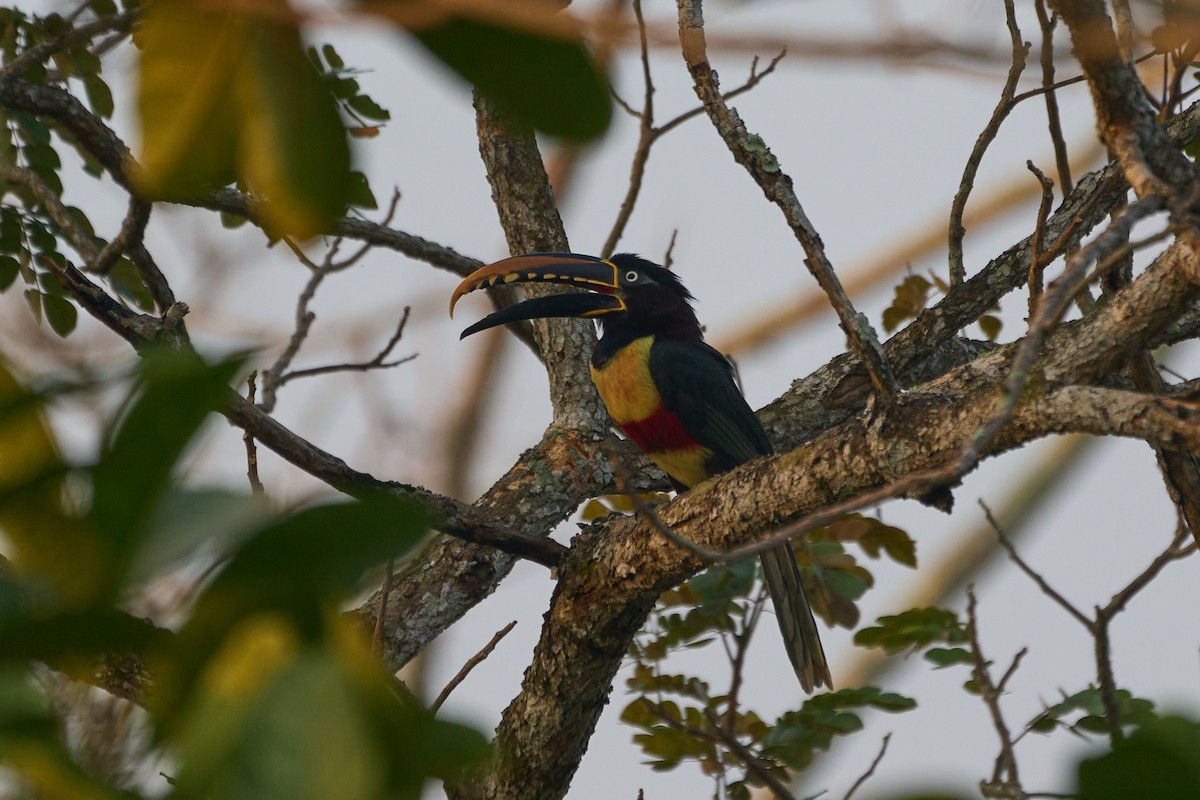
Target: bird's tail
[(795, 618)]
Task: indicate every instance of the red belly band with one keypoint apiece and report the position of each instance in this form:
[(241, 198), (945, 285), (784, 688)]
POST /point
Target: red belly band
[(659, 432)]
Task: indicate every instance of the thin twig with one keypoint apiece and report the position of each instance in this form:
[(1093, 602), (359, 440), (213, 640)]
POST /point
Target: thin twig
[(1098, 627), (471, 664), (737, 663), (1020, 52), (625, 487), (645, 140), (887, 737), (377, 634), (648, 133), (278, 374), (755, 78), (1174, 551), (1033, 574), (1048, 22), (1035, 247), (377, 362), (752, 153), (256, 485), (717, 736), (1004, 776)]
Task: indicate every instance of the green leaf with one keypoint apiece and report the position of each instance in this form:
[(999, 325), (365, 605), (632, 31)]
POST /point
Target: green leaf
[(11, 238), (719, 585), (257, 739), (39, 237), (126, 279), (299, 570), (63, 640), (31, 747), (947, 656), (361, 195), (1160, 761), (368, 108), (991, 326), (798, 735), (99, 95), (186, 103), (228, 95), (293, 148), (60, 313), (918, 627), (331, 57), (1089, 704), (232, 221), (548, 83), (849, 585), (34, 300), (176, 393), (31, 129), (186, 520), (322, 551)]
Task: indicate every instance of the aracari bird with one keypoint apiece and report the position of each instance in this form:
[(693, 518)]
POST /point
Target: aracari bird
[(667, 390)]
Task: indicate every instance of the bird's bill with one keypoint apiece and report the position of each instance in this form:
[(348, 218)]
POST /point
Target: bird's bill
[(570, 269)]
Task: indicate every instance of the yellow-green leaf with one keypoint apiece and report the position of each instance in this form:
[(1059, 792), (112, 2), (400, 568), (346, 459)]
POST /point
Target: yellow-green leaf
[(190, 60), (293, 148), (228, 95)]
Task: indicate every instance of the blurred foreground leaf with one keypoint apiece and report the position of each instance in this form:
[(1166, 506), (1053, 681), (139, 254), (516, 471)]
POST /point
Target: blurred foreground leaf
[(228, 94), (1160, 760), (549, 83)]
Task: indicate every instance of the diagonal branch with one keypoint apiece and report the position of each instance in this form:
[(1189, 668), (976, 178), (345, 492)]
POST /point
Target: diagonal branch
[(750, 151), (1020, 52)]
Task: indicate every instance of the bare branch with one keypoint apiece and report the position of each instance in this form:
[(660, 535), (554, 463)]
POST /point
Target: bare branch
[(471, 664), (647, 513), (377, 362), (1004, 776), (256, 485), (887, 737), (1020, 51), (1035, 246), (752, 153), (1126, 121), (1035, 576), (1047, 22)]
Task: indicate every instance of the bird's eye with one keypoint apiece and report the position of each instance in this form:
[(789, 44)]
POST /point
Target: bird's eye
[(631, 276)]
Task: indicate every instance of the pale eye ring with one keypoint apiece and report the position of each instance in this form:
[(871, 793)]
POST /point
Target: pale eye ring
[(631, 276)]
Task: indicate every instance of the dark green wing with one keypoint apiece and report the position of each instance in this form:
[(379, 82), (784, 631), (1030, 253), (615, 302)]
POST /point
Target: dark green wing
[(697, 386)]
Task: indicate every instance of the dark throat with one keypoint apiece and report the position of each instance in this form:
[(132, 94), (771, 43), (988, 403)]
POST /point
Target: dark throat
[(663, 315)]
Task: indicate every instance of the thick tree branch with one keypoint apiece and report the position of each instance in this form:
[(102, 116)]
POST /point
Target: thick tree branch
[(1126, 121), (531, 223)]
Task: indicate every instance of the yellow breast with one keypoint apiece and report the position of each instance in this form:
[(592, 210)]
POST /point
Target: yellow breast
[(625, 385)]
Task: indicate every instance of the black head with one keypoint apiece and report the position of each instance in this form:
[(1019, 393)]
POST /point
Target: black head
[(656, 301)]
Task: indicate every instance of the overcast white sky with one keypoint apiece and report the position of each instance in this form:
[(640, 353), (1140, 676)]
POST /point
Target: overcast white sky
[(876, 150)]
